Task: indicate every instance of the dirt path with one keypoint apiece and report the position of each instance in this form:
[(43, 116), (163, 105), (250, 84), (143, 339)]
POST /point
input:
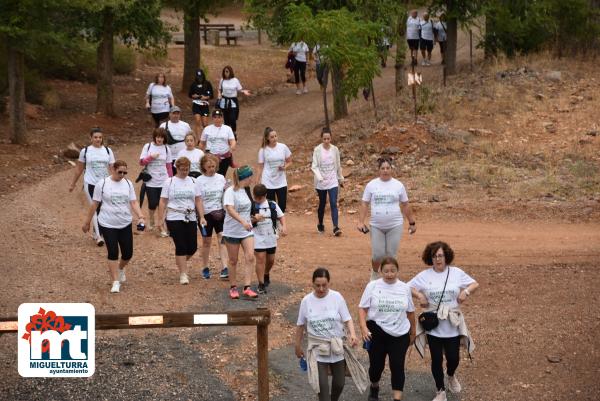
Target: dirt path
[(531, 272)]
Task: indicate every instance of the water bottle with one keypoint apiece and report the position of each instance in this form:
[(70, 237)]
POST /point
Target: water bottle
[(141, 227), (303, 365), (367, 345), (203, 230)]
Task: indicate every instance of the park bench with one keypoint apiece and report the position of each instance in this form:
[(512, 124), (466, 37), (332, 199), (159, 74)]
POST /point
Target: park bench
[(229, 29)]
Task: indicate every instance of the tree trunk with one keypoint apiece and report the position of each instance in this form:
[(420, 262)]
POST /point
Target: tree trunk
[(191, 50), (104, 95), (400, 54), (340, 106), (16, 88), (451, 40)]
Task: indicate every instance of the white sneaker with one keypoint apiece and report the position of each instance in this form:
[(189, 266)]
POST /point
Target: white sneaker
[(453, 385), (305, 90), (122, 277), (298, 92), (428, 62), (163, 234), (424, 62), (183, 279), (441, 396), (115, 287), (100, 241)]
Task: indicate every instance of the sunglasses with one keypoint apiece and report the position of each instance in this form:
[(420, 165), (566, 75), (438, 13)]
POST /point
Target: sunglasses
[(122, 172)]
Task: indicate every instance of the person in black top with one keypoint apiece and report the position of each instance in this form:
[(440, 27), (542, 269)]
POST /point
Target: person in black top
[(201, 91)]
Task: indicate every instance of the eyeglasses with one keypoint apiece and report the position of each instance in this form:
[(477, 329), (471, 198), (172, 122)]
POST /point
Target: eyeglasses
[(442, 256), (122, 172)]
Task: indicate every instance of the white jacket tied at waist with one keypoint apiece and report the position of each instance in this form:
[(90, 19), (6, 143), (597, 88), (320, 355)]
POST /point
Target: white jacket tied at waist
[(457, 319), (336, 346)]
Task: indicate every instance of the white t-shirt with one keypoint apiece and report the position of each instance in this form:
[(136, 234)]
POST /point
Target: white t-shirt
[(178, 131), (157, 168), (441, 31), (181, 194), (426, 29), (211, 191), (96, 162), (327, 170), (316, 53), (325, 318), (217, 138), (300, 49), (412, 28), (242, 205), (264, 235), (230, 87), (385, 198), (195, 155), (115, 196), (431, 284), (160, 98), (273, 158), (387, 305)]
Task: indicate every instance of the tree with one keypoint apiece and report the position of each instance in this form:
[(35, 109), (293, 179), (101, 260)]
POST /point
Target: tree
[(346, 48)]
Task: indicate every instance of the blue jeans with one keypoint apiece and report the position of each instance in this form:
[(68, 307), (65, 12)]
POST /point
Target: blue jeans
[(333, 194)]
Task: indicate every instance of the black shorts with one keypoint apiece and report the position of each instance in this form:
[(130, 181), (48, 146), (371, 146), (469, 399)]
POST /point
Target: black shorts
[(118, 238), (184, 236), (153, 194), (425, 44), (211, 224), (201, 109), (160, 117), (269, 251), (413, 44), (442, 46)]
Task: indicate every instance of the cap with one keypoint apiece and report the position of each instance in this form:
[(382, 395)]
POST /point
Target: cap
[(175, 109), (244, 172), (217, 112)]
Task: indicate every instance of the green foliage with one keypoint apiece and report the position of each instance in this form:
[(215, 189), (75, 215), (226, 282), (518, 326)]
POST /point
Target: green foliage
[(124, 62), (345, 41), (425, 100)]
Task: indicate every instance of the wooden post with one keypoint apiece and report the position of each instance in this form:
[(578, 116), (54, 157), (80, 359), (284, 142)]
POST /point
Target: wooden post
[(262, 353), (374, 102), (471, 49), (259, 36)]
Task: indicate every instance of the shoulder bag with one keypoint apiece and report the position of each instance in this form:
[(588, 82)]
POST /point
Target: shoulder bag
[(429, 320)]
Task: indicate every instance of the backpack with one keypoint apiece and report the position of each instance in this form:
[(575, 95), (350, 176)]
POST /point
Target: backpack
[(272, 207), (86, 149)]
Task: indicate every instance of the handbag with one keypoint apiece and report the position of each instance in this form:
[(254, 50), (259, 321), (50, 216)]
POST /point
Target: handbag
[(429, 320)]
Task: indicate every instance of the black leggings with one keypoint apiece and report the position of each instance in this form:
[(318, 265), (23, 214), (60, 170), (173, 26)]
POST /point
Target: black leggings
[(116, 238), (153, 194), (185, 236), (439, 346), (338, 373), (224, 165), (281, 194), (383, 344), (230, 117), (300, 71)]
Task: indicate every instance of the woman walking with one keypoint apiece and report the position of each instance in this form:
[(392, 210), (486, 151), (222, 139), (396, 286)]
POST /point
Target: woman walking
[(156, 158), (387, 322), (300, 50), (323, 315), (211, 187), (388, 201), (201, 91), (96, 160), (117, 196), (192, 153), (274, 158), (237, 230), (180, 199), (442, 289), (219, 140), (327, 169), (229, 86), (159, 99)]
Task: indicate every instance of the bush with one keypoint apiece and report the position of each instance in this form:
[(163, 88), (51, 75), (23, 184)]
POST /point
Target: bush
[(124, 59), (51, 100)]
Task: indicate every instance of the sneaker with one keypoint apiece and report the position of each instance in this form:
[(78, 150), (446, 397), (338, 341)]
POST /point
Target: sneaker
[(262, 289), (206, 273), (184, 279), (336, 231), (454, 385), (224, 275), (298, 92), (428, 62), (373, 393), (122, 277), (249, 293), (440, 396), (320, 228), (423, 62), (115, 287), (100, 242), (234, 293), (305, 90), (163, 234), (267, 280)]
